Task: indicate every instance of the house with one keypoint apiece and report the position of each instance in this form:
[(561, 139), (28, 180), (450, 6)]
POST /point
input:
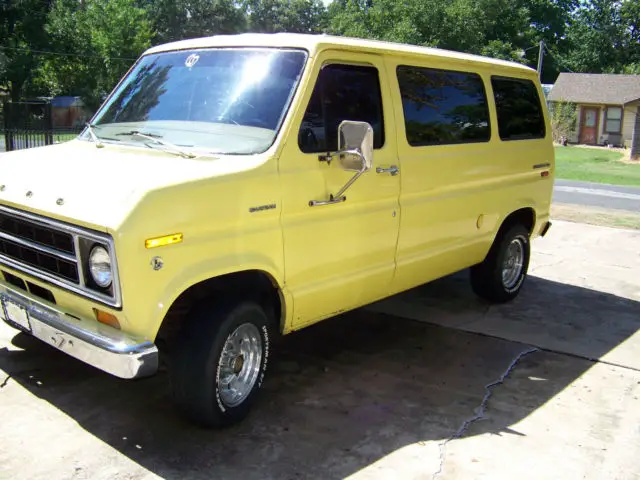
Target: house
[(607, 107), (68, 112)]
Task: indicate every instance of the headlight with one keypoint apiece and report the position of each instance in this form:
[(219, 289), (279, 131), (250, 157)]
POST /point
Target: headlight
[(100, 267)]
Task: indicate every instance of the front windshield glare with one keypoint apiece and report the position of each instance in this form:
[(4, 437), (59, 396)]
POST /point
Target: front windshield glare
[(216, 100)]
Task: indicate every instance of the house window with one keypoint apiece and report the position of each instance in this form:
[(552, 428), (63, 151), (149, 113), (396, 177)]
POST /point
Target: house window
[(613, 123)]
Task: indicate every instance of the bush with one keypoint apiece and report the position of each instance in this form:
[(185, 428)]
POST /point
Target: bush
[(564, 121)]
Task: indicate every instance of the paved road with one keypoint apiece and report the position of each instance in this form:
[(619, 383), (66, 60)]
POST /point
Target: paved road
[(597, 195)]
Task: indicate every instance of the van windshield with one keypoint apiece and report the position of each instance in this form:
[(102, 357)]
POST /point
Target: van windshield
[(228, 101)]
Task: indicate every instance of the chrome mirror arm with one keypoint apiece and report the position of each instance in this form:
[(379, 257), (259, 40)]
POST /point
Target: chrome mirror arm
[(339, 197), (349, 183)]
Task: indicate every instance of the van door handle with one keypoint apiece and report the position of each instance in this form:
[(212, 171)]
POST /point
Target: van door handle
[(393, 170), (538, 166)]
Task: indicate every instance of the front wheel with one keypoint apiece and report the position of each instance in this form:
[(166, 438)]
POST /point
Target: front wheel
[(499, 278), (220, 362)]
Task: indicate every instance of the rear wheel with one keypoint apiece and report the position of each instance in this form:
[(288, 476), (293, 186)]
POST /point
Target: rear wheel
[(499, 278), (220, 362)]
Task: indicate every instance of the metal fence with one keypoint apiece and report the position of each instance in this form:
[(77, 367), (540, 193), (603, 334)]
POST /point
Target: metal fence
[(29, 124)]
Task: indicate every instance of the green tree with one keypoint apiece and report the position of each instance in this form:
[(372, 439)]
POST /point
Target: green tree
[(102, 39), (180, 19), (604, 36), (21, 32), (630, 18), (411, 21), (295, 16), (498, 28), (594, 36)]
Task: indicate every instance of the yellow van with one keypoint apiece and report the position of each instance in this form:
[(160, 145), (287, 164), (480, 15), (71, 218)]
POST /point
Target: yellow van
[(234, 188)]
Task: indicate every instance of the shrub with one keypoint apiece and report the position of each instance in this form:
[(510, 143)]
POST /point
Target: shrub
[(564, 120)]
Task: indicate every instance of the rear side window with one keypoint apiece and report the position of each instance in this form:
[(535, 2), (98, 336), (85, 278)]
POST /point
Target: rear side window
[(342, 92), (443, 107), (519, 109)]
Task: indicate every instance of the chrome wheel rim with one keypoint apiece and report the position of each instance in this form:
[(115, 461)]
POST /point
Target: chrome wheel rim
[(513, 263), (239, 365)]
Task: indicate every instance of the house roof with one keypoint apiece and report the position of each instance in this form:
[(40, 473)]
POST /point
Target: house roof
[(314, 43), (65, 101), (609, 89)]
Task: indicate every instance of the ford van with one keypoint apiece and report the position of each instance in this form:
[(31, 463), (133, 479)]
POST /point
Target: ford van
[(236, 188)]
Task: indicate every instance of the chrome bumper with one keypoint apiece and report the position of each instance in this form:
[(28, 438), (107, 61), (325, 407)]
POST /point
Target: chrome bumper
[(99, 345)]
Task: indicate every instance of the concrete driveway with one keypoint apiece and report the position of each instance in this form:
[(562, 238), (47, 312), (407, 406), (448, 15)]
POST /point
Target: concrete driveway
[(432, 383)]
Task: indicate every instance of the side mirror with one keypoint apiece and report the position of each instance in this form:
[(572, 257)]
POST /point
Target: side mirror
[(355, 150), (355, 146)]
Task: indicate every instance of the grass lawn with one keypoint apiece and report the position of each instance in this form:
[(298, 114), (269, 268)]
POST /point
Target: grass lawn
[(595, 165), (64, 137)]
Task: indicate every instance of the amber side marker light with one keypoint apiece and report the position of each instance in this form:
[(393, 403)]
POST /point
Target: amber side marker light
[(162, 241), (107, 318)]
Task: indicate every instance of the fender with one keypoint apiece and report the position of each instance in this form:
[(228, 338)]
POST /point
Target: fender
[(195, 273)]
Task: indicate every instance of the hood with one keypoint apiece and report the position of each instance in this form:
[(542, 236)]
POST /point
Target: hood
[(98, 187)]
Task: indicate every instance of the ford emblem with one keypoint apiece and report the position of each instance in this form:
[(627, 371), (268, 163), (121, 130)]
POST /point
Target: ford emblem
[(192, 60)]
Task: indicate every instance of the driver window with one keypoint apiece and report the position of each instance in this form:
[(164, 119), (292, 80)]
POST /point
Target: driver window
[(342, 92)]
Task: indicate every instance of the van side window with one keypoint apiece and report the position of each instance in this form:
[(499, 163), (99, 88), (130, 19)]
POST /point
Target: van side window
[(342, 92), (519, 109), (443, 107)]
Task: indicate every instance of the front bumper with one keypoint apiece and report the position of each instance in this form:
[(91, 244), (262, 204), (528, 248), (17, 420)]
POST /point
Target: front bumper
[(99, 345)]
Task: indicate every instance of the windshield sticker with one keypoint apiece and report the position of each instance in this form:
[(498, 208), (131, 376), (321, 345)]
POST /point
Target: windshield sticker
[(192, 60)]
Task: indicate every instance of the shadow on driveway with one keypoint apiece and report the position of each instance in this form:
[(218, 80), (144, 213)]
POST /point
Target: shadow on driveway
[(340, 395)]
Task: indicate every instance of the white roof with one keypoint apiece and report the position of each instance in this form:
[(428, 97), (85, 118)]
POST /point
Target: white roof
[(312, 43)]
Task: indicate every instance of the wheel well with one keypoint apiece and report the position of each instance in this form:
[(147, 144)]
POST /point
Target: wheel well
[(251, 284), (524, 216)]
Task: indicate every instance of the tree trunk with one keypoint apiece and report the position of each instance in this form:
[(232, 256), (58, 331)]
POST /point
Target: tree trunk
[(15, 90), (635, 138)]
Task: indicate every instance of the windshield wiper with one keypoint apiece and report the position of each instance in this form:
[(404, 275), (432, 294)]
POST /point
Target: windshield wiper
[(156, 139), (94, 137)]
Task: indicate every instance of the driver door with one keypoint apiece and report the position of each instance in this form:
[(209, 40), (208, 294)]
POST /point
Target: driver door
[(342, 255)]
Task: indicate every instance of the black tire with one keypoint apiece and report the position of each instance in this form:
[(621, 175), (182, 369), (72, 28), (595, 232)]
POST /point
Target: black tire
[(487, 277), (197, 362)]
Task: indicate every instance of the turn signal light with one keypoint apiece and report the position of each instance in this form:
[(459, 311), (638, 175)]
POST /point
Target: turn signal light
[(107, 318), (162, 241)]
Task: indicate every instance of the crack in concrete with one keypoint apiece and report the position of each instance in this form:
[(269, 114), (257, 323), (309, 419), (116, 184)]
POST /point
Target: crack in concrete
[(480, 410), (4, 383)]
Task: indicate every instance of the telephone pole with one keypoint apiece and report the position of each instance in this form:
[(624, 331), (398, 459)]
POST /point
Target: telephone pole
[(540, 57)]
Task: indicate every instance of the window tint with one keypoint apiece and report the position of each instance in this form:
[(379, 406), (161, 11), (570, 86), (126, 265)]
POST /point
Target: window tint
[(443, 107), (519, 111), (342, 92)]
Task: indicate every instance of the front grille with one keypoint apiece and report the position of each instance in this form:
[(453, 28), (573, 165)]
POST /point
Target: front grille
[(39, 234), (55, 252), (15, 281), (39, 246), (37, 290)]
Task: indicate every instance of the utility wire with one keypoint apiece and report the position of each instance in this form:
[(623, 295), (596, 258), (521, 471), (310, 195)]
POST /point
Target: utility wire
[(531, 48), (10, 3), (555, 58), (44, 52)]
